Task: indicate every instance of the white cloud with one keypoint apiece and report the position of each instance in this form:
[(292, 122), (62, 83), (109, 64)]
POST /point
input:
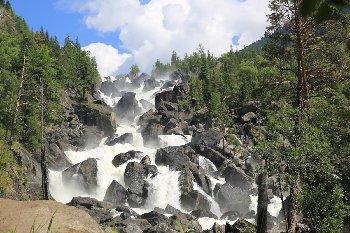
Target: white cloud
[(154, 30), (107, 57)]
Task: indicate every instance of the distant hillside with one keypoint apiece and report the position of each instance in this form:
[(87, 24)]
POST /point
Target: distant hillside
[(256, 46)]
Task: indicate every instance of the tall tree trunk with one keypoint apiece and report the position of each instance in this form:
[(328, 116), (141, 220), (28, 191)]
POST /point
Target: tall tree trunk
[(44, 176), (18, 101), (262, 203)]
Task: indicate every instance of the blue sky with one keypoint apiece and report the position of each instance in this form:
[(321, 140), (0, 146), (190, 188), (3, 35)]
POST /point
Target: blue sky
[(60, 22), (124, 32)]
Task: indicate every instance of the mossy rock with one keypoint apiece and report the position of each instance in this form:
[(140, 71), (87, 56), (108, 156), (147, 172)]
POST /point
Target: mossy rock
[(241, 226)]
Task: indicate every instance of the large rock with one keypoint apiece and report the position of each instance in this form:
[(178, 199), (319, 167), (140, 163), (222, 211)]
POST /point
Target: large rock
[(168, 96), (202, 117), (83, 174), (150, 84), (203, 213), (19, 216), (155, 218), (127, 107), (56, 158), (125, 138), (116, 194), (194, 200), (173, 156), (214, 156), (236, 177), (121, 158), (98, 210), (134, 177), (233, 199), (211, 138), (97, 115), (151, 132)]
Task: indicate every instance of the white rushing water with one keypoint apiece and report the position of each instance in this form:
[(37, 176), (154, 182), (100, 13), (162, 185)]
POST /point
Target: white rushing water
[(163, 188)]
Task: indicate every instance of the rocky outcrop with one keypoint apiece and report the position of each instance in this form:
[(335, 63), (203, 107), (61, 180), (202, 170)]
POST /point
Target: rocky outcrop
[(135, 179), (125, 138), (96, 115), (83, 175), (124, 157), (19, 216), (194, 200), (127, 107), (98, 210), (150, 84), (116, 194)]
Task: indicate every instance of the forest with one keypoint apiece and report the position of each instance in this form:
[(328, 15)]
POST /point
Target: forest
[(298, 76)]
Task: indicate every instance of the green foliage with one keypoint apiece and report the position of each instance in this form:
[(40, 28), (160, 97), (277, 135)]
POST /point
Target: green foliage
[(134, 70), (6, 162)]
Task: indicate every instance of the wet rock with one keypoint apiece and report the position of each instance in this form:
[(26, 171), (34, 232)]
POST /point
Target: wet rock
[(96, 209), (142, 225), (186, 180), (236, 177), (203, 213), (149, 117), (194, 200), (233, 199), (134, 178), (167, 85), (173, 156), (124, 157), (89, 139), (151, 132), (127, 107), (125, 138), (126, 212), (83, 174), (97, 115), (180, 76), (168, 96), (150, 84), (56, 158), (214, 156), (116, 194), (201, 179)]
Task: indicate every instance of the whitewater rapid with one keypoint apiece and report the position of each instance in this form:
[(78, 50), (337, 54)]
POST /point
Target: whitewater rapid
[(163, 189)]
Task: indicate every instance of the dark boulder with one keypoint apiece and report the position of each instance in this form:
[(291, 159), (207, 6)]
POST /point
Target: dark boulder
[(167, 96), (214, 156), (150, 84), (194, 200), (127, 107), (167, 85), (171, 210), (180, 76), (203, 213), (97, 115), (126, 212), (134, 177), (116, 194), (211, 138), (155, 218), (125, 138), (173, 156), (83, 174), (236, 177), (98, 210), (233, 199), (121, 158), (202, 117), (186, 180), (90, 138), (151, 132)]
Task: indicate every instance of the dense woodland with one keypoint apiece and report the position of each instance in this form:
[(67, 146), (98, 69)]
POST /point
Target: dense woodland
[(32, 64), (299, 77)]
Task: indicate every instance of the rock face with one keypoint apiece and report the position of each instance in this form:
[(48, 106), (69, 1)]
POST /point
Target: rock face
[(83, 174), (195, 200), (98, 210), (127, 107), (125, 138), (19, 216), (150, 84), (233, 199), (134, 177), (97, 115), (236, 177), (116, 194), (124, 157)]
